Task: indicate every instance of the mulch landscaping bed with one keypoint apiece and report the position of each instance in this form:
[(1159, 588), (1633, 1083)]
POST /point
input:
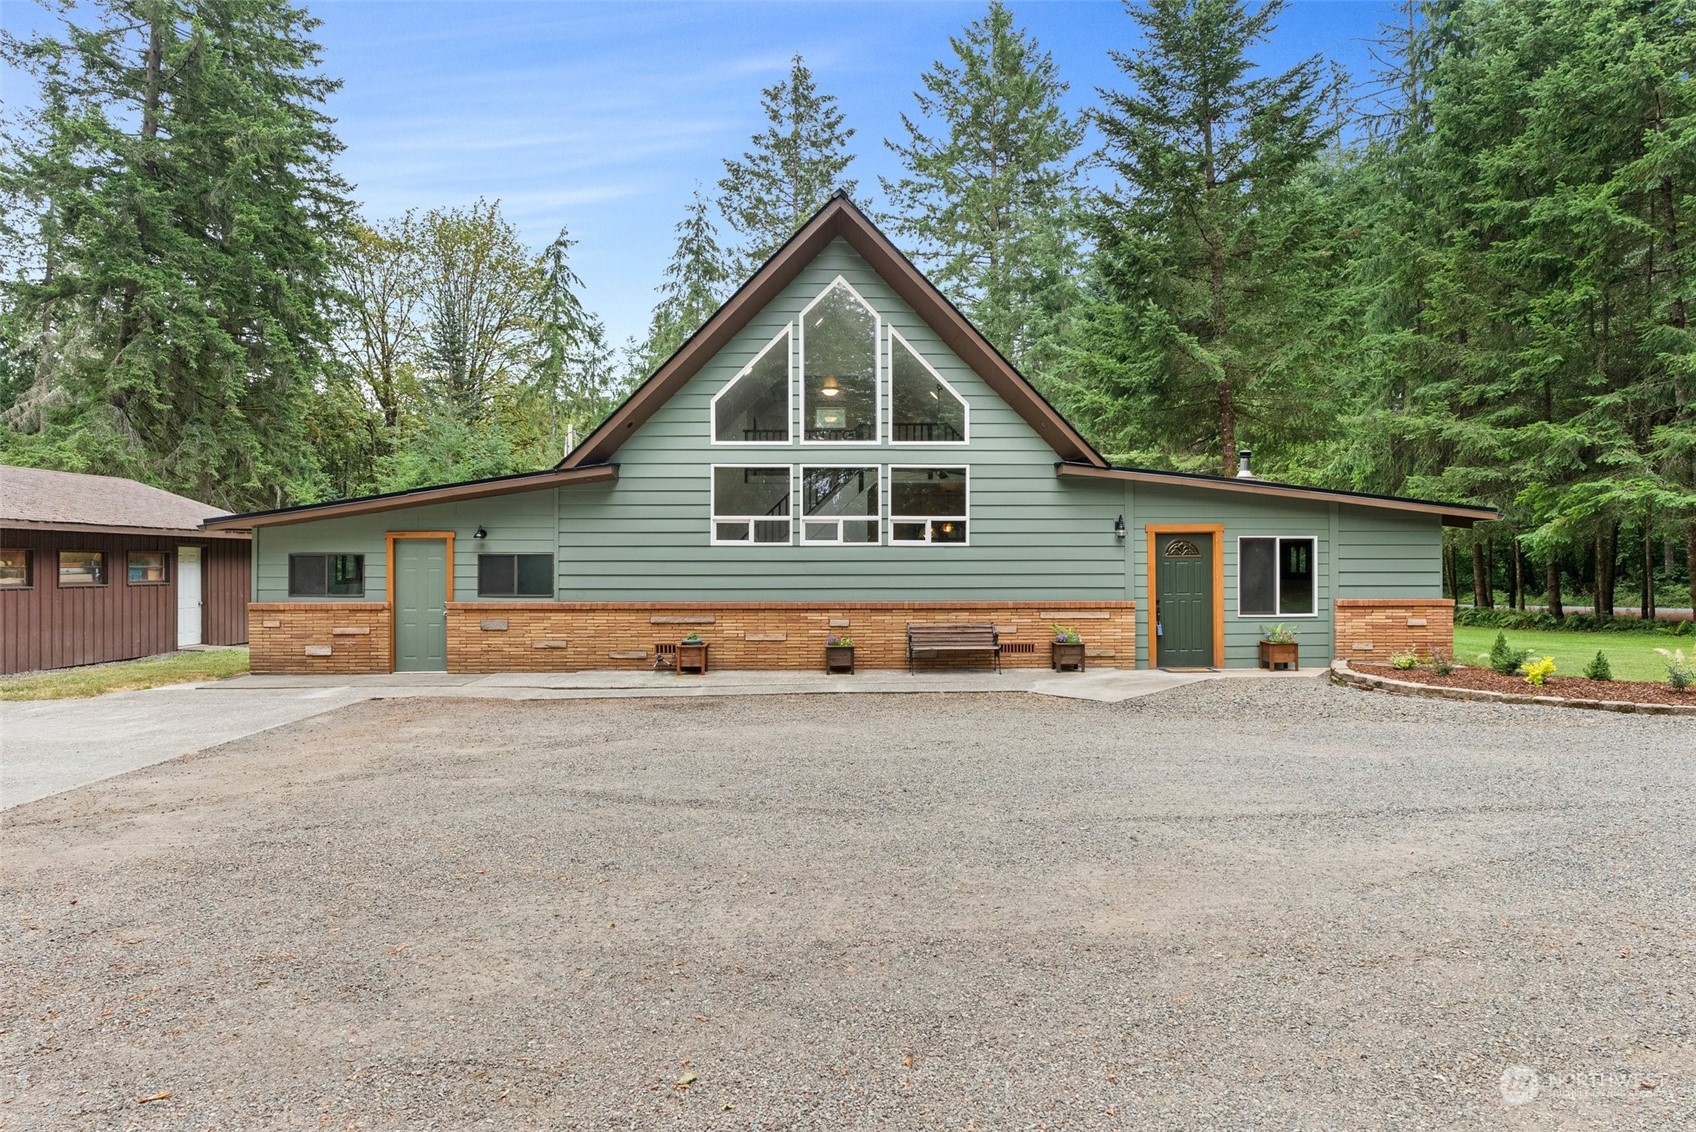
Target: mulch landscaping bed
[(1567, 687)]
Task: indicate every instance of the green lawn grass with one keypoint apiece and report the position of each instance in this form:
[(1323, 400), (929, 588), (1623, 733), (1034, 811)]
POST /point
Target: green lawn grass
[(1632, 655), (125, 675)]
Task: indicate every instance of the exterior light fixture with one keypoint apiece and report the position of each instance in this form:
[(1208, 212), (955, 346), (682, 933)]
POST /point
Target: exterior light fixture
[(831, 388), (1119, 528), (480, 533)]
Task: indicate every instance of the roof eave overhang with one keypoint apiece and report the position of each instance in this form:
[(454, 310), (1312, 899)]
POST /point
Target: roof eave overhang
[(114, 529), (1452, 514), (838, 218), (420, 497)]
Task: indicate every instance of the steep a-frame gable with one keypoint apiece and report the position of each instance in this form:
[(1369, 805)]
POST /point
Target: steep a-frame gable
[(839, 219)]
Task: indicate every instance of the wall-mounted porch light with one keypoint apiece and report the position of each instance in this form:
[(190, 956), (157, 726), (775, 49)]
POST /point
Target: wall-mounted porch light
[(1119, 527), (480, 533)]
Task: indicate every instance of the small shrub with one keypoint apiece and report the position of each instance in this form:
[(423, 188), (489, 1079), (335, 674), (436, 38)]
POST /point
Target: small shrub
[(692, 639), (1441, 662), (1507, 660), (1681, 673), (1404, 661), (1599, 669), (1537, 671), (1684, 629)]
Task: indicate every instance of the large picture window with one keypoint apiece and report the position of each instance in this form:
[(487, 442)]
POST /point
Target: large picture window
[(1275, 577), (754, 407), (82, 568), (924, 409), (515, 575), (751, 505), (839, 371), (927, 505), (839, 505), (326, 575)]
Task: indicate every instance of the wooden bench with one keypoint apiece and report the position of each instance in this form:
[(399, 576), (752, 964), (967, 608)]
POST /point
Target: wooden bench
[(929, 641)]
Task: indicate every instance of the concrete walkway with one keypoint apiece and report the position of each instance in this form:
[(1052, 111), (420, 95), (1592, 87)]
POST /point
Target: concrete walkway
[(49, 746)]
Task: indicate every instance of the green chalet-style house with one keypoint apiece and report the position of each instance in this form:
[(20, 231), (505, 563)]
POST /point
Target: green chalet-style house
[(839, 452)]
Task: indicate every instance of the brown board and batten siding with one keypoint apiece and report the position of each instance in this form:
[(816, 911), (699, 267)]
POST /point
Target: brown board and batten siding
[(53, 626)]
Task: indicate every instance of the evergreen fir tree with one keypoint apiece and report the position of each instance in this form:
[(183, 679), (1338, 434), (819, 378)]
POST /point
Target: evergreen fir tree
[(989, 194), (183, 176), (1209, 263), (796, 163), (696, 282)]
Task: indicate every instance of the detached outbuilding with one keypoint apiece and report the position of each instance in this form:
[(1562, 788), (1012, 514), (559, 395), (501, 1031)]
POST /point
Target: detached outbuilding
[(97, 568), (838, 452)]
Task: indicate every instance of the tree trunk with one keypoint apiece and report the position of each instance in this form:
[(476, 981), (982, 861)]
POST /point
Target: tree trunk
[(1646, 607), (1490, 572), (1480, 597), (1516, 577), (1552, 576), (1690, 558), (1607, 568)]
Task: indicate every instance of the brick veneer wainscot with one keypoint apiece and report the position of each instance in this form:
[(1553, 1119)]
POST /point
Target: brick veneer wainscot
[(487, 636), (1377, 628), (290, 638)]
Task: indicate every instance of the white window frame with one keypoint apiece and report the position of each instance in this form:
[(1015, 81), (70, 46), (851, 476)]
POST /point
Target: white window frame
[(878, 369), (788, 332), (714, 518), (966, 405), (1277, 582), (803, 519), (928, 519)]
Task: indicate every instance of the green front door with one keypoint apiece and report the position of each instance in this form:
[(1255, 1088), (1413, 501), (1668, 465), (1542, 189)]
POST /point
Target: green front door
[(1183, 601), (421, 596)]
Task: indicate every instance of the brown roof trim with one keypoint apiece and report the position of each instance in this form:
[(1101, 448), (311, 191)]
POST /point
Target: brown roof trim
[(1453, 514), (186, 534), (837, 218), (420, 496)]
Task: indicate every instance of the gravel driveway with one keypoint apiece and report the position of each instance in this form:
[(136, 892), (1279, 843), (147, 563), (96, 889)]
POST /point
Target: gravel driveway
[(1237, 905)]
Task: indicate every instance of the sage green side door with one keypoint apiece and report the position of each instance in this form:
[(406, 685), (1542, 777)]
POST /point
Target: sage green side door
[(421, 595), (1184, 597)]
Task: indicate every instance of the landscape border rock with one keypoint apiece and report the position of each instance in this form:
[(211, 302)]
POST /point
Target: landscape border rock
[(1341, 673)]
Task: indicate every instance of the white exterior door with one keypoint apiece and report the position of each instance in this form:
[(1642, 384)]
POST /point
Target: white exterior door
[(188, 596)]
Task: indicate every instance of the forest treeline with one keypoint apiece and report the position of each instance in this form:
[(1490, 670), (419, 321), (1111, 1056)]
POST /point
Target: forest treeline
[(1466, 276)]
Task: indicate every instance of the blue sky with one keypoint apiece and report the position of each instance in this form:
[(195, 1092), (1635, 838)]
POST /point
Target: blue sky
[(605, 116)]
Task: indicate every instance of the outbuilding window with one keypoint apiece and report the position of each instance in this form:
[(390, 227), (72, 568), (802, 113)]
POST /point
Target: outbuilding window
[(148, 567), (1275, 577), (82, 568), (15, 569), (515, 575), (326, 575)]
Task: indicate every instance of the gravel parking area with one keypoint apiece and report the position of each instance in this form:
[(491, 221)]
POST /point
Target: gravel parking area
[(1235, 905)]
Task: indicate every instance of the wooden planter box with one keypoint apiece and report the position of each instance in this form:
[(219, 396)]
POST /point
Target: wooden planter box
[(839, 658), (1274, 653), (692, 657), (1067, 657)]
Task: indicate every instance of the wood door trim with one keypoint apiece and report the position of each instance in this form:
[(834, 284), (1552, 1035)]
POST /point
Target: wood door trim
[(1217, 530), (389, 540)]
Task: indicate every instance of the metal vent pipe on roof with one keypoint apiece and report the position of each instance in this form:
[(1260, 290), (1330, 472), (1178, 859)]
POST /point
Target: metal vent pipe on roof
[(1243, 473)]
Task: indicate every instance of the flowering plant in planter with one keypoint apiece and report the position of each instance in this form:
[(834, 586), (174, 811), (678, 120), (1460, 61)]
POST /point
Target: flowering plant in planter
[(1066, 636), (692, 639), (842, 641), (1279, 634)]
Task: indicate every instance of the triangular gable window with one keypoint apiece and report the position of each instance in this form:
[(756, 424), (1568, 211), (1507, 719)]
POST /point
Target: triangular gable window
[(754, 407), (924, 409)]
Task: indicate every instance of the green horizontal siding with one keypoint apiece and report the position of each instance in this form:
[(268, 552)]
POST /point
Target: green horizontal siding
[(648, 535)]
